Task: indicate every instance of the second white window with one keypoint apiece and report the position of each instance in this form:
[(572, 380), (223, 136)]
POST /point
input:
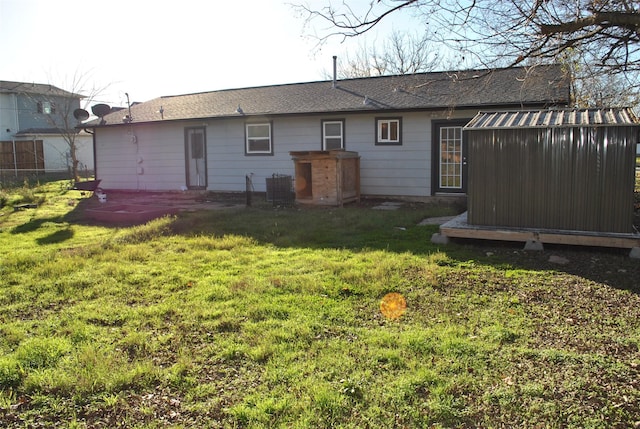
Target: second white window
[(259, 139), (332, 134), (388, 131)]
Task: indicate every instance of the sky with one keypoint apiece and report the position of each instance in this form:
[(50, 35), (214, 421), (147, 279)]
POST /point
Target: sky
[(151, 48)]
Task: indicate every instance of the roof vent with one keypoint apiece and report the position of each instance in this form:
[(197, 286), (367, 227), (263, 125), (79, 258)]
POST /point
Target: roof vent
[(335, 70)]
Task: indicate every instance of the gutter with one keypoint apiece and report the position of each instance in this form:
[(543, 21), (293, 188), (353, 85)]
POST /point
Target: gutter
[(536, 104)]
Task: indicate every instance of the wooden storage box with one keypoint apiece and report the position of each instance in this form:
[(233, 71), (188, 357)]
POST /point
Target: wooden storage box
[(329, 178)]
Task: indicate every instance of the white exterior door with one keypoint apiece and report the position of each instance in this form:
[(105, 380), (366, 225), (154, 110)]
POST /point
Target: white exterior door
[(196, 157), (450, 158)]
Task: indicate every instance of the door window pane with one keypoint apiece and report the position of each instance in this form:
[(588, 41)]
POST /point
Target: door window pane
[(451, 157), (197, 146)]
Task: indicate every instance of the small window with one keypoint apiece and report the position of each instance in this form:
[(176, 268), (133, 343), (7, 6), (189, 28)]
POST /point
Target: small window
[(197, 146), (258, 141), (46, 107), (333, 134), (389, 131)]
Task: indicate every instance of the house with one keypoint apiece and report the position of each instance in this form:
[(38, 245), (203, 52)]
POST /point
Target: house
[(34, 119), (406, 129)]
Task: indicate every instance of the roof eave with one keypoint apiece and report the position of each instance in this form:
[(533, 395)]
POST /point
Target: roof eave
[(369, 110)]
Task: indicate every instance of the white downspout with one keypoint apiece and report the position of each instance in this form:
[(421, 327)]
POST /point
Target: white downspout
[(17, 121)]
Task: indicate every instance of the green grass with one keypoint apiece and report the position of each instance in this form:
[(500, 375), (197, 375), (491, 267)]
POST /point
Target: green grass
[(265, 318)]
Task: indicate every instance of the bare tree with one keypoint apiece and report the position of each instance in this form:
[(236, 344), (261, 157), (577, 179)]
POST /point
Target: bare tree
[(401, 53), (60, 107), (506, 32), (593, 88)]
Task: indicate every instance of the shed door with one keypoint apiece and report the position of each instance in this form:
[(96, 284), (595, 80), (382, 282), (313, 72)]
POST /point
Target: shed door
[(450, 158), (195, 144)]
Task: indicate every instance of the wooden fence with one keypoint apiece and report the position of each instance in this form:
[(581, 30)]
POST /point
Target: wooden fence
[(21, 156), (21, 160)]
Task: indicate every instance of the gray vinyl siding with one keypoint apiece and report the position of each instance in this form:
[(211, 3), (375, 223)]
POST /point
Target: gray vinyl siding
[(8, 116), (115, 158), (394, 170), (228, 164), (402, 170), (28, 116), (159, 152)]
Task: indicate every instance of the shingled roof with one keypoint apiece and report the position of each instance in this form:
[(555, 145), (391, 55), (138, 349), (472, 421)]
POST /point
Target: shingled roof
[(534, 86), (10, 87)]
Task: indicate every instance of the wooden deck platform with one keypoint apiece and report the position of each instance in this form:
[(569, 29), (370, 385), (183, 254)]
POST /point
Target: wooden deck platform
[(459, 228)]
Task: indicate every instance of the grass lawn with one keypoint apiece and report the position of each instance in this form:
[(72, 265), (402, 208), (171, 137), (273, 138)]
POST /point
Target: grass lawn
[(271, 318)]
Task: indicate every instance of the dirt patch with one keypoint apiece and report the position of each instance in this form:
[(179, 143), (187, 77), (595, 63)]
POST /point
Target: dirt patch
[(188, 200)]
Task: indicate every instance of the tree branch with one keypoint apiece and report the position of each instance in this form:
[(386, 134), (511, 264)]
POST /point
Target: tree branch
[(350, 25), (616, 19)]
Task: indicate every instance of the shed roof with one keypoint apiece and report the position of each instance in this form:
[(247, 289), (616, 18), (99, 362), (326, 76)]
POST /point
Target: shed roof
[(554, 118), (533, 86)]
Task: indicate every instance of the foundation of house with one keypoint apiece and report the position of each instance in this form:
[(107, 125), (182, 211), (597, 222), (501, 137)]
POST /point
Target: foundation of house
[(535, 239)]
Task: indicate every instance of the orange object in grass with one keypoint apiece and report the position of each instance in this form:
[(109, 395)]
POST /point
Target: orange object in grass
[(393, 305)]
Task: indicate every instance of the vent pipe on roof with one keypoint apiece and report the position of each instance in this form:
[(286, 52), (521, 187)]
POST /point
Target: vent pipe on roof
[(335, 61), (129, 117)]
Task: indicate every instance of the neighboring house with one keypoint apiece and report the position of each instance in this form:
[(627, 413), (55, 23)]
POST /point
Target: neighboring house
[(406, 129), (33, 120)]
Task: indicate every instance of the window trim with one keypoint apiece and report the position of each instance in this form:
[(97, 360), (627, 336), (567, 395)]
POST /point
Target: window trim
[(247, 150), (324, 136), (388, 120)]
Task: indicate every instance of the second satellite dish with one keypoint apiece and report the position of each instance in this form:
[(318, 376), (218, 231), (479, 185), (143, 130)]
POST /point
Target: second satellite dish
[(101, 109)]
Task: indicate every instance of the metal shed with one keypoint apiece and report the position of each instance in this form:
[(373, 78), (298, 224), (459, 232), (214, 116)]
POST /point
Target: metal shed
[(570, 169)]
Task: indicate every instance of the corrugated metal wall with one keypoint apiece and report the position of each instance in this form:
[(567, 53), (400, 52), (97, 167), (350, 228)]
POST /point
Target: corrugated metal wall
[(567, 178)]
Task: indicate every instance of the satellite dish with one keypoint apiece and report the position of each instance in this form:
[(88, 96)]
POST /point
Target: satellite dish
[(81, 115), (101, 109)]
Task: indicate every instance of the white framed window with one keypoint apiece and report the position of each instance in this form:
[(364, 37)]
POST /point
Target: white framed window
[(333, 134), (46, 107), (258, 139), (389, 131)]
